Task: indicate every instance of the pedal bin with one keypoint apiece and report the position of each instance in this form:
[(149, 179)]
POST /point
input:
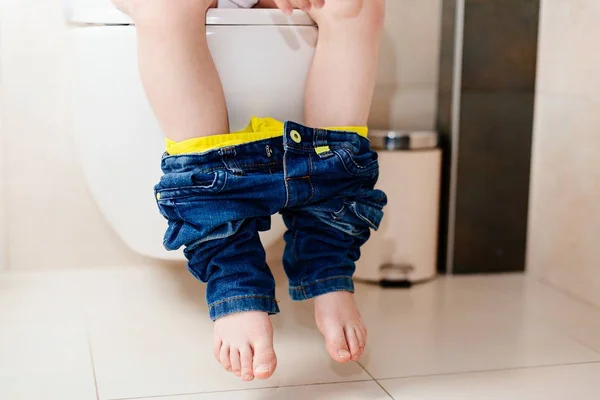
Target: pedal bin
[(404, 249)]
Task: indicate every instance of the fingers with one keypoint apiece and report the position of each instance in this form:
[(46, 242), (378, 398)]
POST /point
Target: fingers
[(318, 3), (287, 6), (304, 5)]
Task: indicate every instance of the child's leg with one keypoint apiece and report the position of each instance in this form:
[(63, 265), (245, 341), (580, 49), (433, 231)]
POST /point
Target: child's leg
[(178, 72), (341, 82), (185, 91), (339, 92)]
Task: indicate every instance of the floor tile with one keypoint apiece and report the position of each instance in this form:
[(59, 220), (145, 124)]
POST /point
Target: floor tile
[(579, 320), (548, 383), (151, 336), (461, 324), (342, 391), (44, 351)]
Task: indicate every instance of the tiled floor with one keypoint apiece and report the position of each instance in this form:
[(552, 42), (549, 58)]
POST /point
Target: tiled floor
[(142, 333)]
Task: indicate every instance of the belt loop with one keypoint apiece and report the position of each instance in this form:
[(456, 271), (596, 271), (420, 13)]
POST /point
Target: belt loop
[(321, 146), (227, 152), (319, 137), (228, 157)]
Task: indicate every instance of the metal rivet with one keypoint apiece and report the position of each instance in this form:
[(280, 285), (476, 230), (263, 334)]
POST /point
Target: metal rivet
[(157, 196), (269, 151), (296, 136)]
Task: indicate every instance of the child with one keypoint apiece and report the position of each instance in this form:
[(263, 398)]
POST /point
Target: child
[(219, 189)]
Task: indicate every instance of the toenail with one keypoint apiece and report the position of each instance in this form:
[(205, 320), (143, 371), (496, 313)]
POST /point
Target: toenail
[(343, 353), (262, 369)]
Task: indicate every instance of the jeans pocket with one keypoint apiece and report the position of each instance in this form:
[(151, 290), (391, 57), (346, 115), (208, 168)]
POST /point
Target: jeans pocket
[(363, 164), (177, 186)]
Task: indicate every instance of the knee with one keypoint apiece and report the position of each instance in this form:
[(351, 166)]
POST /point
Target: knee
[(164, 12), (365, 17)]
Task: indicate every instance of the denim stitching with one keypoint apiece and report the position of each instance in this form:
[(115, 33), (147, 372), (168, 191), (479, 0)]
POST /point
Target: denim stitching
[(319, 281), (358, 166), (210, 170), (295, 241), (213, 305), (261, 165), (312, 191), (310, 172), (285, 181), (239, 170)]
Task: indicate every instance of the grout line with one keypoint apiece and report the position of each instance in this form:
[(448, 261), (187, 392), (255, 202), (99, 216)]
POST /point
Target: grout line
[(569, 95), (570, 295), (570, 336), (378, 381), (485, 371), (89, 341), (240, 390), (559, 327), (375, 380)]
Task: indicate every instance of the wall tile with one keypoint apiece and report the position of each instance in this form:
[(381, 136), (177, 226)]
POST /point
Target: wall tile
[(564, 223), (569, 53), (564, 215)]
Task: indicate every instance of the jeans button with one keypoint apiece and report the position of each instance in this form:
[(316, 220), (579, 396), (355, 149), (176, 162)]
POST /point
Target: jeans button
[(296, 136)]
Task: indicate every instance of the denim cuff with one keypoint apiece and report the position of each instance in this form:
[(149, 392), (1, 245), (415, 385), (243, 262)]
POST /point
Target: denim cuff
[(240, 304), (321, 287)]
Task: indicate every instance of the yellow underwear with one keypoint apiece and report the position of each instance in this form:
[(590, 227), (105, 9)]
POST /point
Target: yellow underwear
[(258, 129)]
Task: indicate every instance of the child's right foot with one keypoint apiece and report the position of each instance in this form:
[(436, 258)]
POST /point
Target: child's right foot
[(244, 345)]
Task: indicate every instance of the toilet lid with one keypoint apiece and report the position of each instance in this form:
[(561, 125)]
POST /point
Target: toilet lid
[(103, 12)]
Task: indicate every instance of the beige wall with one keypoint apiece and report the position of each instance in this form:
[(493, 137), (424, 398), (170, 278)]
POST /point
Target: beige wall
[(564, 237), (52, 221), (3, 228)]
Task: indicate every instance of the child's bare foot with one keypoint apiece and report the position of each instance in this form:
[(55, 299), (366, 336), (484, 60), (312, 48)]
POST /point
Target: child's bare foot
[(244, 345), (340, 323)]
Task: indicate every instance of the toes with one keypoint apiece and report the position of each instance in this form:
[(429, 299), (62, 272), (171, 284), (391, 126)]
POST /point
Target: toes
[(353, 343), (236, 365), (265, 361), (224, 358), (362, 339), (217, 349), (246, 362), (337, 346)]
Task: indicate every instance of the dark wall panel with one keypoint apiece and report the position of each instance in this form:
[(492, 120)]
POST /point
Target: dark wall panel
[(493, 141)]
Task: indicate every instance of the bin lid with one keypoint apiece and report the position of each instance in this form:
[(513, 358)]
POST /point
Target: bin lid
[(403, 140)]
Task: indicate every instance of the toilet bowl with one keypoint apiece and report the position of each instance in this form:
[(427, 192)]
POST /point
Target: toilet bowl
[(119, 141)]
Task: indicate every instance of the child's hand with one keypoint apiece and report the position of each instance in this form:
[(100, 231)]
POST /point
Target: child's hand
[(287, 6)]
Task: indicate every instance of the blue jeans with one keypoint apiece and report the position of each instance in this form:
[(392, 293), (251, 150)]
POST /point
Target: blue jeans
[(217, 202)]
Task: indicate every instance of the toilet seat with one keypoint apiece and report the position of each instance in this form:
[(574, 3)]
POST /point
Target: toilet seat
[(102, 12)]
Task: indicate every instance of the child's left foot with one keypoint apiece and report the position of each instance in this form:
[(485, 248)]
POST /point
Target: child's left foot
[(244, 345), (342, 327)]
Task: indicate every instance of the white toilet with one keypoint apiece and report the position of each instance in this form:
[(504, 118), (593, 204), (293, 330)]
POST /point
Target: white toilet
[(118, 139)]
